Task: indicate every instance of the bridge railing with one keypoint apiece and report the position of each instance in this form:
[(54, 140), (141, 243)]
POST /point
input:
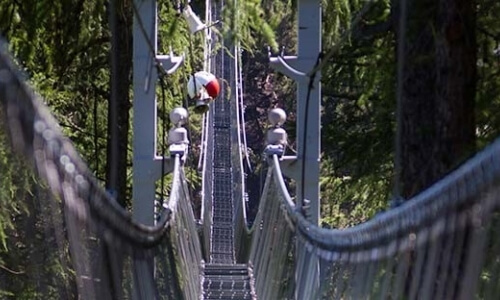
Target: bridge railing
[(207, 182), (207, 143), (96, 249), (238, 152), (442, 244), (184, 236), (272, 251)]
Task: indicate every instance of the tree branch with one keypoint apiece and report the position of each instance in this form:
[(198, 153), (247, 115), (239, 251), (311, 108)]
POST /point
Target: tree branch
[(348, 96), (12, 271), (489, 34), (369, 32)]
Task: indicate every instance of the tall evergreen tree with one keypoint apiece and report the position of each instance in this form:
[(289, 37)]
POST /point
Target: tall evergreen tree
[(438, 86), (120, 104)]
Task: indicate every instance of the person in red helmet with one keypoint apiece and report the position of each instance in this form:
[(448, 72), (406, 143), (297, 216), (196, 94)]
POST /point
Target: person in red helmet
[(204, 87)]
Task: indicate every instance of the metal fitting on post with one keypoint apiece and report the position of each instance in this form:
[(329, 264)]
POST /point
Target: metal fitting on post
[(276, 135), (194, 22), (306, 209), (178, 136)]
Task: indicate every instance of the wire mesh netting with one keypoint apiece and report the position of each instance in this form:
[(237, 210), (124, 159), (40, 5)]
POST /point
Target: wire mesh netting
[(69, 238), (443, 244)]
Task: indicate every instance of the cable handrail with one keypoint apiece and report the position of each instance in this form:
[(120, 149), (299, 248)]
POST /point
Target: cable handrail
[(426, 237), (108, 249), (479, 174), (36, 127)]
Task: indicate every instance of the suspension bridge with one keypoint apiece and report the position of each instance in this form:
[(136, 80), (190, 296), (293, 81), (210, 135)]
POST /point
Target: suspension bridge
[(442, 244)]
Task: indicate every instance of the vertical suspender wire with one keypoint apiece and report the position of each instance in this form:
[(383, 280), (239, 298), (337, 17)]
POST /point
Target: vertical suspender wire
[(242, 107), (207, 51), (203, 137), (186, 106), (401, 44), (165, 125), (304, 144), (193, 72), (96, 137)]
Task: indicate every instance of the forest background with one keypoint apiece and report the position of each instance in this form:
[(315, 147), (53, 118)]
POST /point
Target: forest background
[(406, 98)]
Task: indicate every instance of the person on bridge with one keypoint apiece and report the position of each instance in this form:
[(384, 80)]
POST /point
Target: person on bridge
[(203, 87)]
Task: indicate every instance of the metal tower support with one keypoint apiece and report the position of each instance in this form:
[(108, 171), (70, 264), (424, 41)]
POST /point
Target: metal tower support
[(305, 167), (308, 143), (146, 164)]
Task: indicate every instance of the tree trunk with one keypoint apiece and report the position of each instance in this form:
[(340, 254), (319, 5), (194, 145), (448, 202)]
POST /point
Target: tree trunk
[(438, 88), (116, 168)]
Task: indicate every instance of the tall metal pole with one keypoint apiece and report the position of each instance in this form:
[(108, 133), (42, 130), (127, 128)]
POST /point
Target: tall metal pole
[(305, 167), (144, 109), (309, 129), (146, 164), (144, 128), (309, 47)]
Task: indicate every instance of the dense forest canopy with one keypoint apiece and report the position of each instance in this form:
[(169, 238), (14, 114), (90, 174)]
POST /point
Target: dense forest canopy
[(439, 66)]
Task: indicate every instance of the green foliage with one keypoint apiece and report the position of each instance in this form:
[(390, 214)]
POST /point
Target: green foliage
[(488, 89), (30, 255), (350, 201), (15, 182), (63, 47), (358, 108), (245, 21)]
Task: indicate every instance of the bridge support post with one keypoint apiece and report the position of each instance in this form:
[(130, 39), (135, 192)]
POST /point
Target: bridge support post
[(146, 164), (308, 105), (305, 167)]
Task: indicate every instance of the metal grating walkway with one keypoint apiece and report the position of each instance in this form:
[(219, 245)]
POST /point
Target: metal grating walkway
[(222, 237), (222, 251), (224, 279), (228, 282)]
